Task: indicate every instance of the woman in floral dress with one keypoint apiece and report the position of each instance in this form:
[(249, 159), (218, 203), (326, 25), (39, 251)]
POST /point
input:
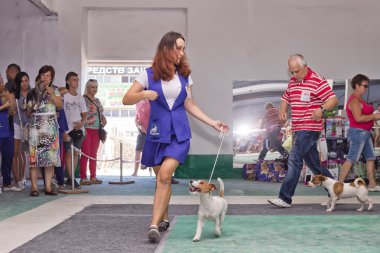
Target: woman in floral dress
[(42, 103)]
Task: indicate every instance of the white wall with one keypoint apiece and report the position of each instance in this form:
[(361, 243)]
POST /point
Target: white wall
[(227, 40), (27, 37)]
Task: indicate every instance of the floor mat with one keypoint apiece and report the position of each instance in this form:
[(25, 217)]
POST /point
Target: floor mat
[(123, 228), (322, 233)]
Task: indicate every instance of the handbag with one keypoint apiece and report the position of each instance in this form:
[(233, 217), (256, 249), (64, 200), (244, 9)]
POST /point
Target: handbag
[(76, 134), (102, 131), (24, 129), (102, 134)]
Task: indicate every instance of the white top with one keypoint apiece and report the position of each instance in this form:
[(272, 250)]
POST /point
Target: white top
[(377, 121), (171, 89), (73, 106)]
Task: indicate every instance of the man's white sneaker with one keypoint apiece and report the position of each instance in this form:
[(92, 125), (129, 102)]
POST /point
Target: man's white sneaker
[(279, 203), (374, 189), (11, 189)]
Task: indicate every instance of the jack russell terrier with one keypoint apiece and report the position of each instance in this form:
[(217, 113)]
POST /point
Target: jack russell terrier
[(211, 207), (338, 190)]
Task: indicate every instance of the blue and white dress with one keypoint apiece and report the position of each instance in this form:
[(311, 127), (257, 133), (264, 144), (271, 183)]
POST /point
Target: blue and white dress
[(168, 133)]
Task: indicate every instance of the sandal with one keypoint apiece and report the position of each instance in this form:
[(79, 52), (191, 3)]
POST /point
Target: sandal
[(163, 226), (34, 194), (153, 233), (51, 193)]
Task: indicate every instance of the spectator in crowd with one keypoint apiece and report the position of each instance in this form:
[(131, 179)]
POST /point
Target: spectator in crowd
[(308, 95), (377, 129), (6, 137), (42, 102), (95, 119), (141, 120), (75, 110), (59, 171), (272, 125), (11, 72), (167, 85), (21, 121), (361, 117), (63, 127)]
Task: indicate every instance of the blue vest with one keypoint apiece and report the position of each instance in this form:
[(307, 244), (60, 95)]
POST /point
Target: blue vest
[(163, 122)]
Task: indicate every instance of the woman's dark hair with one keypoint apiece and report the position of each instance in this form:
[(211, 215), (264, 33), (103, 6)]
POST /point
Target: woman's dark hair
[(68, 75), (358, 80), (18, 80), (14, 65), (45, 69), (163, 63)]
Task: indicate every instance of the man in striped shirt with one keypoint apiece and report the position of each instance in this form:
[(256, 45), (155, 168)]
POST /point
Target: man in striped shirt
[(272, 125), (308, 95)]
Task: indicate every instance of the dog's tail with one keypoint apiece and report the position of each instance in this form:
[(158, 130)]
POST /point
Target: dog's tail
[(221, 187), (359, 182)]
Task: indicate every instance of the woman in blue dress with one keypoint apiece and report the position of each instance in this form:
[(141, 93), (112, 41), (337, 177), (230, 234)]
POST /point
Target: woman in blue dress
[(167, 85)]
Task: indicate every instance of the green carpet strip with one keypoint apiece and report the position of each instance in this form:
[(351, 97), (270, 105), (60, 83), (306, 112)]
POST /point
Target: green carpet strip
[(321, 233)]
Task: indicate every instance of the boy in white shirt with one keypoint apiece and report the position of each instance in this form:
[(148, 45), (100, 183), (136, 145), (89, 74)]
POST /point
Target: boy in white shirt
[(75, 110)]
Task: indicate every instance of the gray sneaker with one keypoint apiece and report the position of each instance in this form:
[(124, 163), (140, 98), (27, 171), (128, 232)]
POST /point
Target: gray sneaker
[(68, 184), (279, 203), (153, 234)]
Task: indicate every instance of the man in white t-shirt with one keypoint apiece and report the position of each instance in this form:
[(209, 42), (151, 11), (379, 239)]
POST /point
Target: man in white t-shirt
[(75, 110)]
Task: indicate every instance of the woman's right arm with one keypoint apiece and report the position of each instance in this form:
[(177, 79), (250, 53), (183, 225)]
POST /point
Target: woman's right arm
[(356, 109), (137, 93)]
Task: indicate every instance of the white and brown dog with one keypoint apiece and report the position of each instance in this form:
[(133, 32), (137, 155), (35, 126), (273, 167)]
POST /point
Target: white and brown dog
[(338, 190), (211, 207)]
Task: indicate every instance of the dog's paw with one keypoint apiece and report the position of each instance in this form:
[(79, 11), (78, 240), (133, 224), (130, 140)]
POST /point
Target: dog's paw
[(328, 210), (360, 209), (218, 233), (196, 239)]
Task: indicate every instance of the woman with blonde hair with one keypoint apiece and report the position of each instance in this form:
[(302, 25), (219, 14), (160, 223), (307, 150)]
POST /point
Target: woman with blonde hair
[(95, 119)]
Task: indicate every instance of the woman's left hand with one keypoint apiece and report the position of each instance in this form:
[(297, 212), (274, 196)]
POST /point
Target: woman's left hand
[(220, 126)]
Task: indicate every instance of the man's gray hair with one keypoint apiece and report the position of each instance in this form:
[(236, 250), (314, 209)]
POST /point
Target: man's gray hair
[(268, 105), (299, 58)]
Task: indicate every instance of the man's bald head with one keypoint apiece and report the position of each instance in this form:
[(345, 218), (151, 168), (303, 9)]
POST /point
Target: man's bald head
[(297, 58)]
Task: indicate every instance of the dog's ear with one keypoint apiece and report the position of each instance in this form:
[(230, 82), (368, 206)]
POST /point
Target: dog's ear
[(212, 187)]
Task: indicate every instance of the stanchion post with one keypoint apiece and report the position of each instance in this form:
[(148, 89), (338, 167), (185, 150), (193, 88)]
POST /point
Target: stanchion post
[(121, 162), (72, 167), (73, 190), (121, 169)]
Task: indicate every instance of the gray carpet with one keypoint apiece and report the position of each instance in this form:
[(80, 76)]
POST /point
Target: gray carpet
[(123, 228)]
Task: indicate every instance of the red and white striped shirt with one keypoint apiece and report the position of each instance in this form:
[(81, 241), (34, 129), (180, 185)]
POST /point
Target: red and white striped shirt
[(304, 98), (272, 119)]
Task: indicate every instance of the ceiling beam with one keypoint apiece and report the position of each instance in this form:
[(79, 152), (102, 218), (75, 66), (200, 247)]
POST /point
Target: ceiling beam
[(43, 8)]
